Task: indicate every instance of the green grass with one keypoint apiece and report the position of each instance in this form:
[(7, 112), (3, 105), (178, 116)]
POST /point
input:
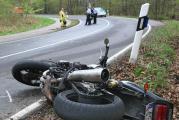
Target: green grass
[(158, 55), (22, 24), (41, 23), (73, 23)]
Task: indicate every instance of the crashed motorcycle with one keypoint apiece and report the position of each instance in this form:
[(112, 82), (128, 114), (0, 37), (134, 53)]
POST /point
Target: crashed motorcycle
[(87, 92)]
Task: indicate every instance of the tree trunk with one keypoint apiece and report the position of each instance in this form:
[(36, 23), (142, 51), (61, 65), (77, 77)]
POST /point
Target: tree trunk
[(45, 7)]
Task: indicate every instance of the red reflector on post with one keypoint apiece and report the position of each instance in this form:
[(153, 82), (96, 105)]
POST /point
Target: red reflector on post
[(146, 87), (161, 112)]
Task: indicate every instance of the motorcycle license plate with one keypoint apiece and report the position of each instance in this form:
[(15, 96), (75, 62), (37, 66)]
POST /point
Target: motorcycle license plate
[(149, 111)]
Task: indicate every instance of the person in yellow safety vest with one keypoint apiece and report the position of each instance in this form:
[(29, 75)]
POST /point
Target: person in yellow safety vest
[(63, 18)]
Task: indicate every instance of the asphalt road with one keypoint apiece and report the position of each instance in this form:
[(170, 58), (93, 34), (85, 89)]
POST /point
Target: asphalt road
[(80, 43)]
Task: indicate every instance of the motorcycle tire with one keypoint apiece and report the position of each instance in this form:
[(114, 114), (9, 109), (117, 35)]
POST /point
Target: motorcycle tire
[(35, 68), (67, 107)]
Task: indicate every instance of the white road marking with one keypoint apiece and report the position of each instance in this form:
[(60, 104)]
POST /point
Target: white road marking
[(118, 55), (3, 96), (29, 109), (9, 96), (53, 44)]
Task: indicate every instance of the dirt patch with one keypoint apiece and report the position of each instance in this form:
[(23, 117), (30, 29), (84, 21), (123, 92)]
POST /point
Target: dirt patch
[(45, 113)]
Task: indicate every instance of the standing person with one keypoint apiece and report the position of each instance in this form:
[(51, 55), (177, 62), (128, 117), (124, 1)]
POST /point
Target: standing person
[(63, 17), (94, 16), (88, 16)]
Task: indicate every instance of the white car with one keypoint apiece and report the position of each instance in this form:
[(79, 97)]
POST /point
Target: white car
[(101, 12)]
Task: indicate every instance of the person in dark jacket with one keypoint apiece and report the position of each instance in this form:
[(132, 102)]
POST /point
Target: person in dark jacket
[(94, 16), (88, 16)]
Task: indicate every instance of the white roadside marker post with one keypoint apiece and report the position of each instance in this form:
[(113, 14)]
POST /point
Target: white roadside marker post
[(142, 24)]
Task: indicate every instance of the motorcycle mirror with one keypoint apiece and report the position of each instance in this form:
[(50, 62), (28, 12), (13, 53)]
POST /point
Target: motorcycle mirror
[(106, 41)]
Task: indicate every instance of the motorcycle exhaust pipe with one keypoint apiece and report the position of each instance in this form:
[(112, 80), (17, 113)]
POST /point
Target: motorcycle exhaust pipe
[(91, 75)]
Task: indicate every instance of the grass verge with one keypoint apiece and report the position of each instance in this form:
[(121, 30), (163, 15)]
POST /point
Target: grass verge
[(158, 64), (73, 23), (157, 54), (22, 24)]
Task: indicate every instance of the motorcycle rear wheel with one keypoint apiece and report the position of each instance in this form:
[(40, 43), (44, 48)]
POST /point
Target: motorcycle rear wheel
[(68, 107), (29, 70)]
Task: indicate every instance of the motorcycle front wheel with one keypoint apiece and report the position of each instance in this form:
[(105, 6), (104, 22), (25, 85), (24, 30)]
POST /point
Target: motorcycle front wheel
[(68, 107), (29, 72)]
